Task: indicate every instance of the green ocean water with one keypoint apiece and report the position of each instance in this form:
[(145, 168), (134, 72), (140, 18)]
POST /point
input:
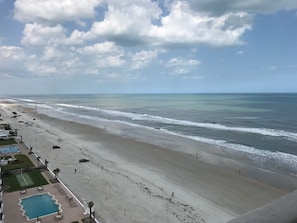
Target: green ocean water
[(264, 125)]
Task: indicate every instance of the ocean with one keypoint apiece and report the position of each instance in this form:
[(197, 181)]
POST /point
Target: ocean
[(262, 126)]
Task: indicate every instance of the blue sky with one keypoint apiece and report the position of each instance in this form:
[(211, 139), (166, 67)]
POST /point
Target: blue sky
[(147, 46)]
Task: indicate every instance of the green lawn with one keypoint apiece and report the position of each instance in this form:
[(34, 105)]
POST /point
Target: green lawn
[(9, 177), (22, 161), (4, 142), (13, 184)]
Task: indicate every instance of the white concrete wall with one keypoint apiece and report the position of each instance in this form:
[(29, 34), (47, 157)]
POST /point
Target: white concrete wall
[(282, 210)]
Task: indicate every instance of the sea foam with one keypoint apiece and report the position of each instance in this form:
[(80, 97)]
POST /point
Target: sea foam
[(285, 161), (158, 119)]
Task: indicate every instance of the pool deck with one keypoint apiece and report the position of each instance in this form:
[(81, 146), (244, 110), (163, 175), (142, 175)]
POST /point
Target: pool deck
[(71, 208)]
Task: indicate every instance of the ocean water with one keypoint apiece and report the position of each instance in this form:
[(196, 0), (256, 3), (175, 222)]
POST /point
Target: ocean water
[(264, 126)]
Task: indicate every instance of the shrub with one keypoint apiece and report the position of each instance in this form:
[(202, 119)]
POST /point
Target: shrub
[(6, 174)]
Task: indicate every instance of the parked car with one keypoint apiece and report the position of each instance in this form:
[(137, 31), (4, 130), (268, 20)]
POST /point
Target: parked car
[(83, 160)]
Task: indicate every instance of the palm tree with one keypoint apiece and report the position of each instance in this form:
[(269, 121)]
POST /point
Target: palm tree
[(90, 205), (56, 172), (45, 163), (38, 160)]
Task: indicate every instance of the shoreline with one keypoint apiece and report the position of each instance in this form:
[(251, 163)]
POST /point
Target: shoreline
[(209, 153), (134, 181)]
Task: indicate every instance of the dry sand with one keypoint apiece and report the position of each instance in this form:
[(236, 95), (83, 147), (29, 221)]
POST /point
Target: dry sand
[(143, 180)]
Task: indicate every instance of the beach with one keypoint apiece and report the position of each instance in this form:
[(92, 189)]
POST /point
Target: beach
[(146, 178)]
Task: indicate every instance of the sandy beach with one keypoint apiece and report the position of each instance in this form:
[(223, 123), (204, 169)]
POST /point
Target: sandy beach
[(147, 178)]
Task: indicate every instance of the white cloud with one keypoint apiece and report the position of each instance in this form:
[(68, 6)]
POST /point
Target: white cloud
[(56, 60), (54, 10), (219, 7), (110, 77), (113, 39), (113, 75), (140, 22), (239, 52), (78, 37), (125, 21), (12, 61), (184, 26), (100, 48), (73, 65), (37, 34), (181, 66), (6, 76), (102, 55), (11, 53), (134, 22), (143, 58), (110, 61), (51, 52), (194, 77), (181, 71), (92, 71), (178, 61), (41, 69)]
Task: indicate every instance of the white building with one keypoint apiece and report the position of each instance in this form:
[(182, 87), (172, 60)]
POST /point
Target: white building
[(4, 134)]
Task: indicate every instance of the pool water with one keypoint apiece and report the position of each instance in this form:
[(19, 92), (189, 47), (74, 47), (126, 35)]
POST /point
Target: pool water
[(39, 205), (9, 149)]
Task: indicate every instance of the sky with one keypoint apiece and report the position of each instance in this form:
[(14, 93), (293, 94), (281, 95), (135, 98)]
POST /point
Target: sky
[(147, 46)]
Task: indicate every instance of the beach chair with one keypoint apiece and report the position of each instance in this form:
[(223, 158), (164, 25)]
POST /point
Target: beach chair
[(59, 217)]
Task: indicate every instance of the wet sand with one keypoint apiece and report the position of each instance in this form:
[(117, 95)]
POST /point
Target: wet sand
[(151, 177)]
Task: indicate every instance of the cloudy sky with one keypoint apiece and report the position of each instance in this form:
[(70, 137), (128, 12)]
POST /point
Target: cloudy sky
[(147, 46)]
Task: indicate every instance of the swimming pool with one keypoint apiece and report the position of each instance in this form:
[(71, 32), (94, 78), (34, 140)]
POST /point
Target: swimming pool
[(9, 149), (39, 205)]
